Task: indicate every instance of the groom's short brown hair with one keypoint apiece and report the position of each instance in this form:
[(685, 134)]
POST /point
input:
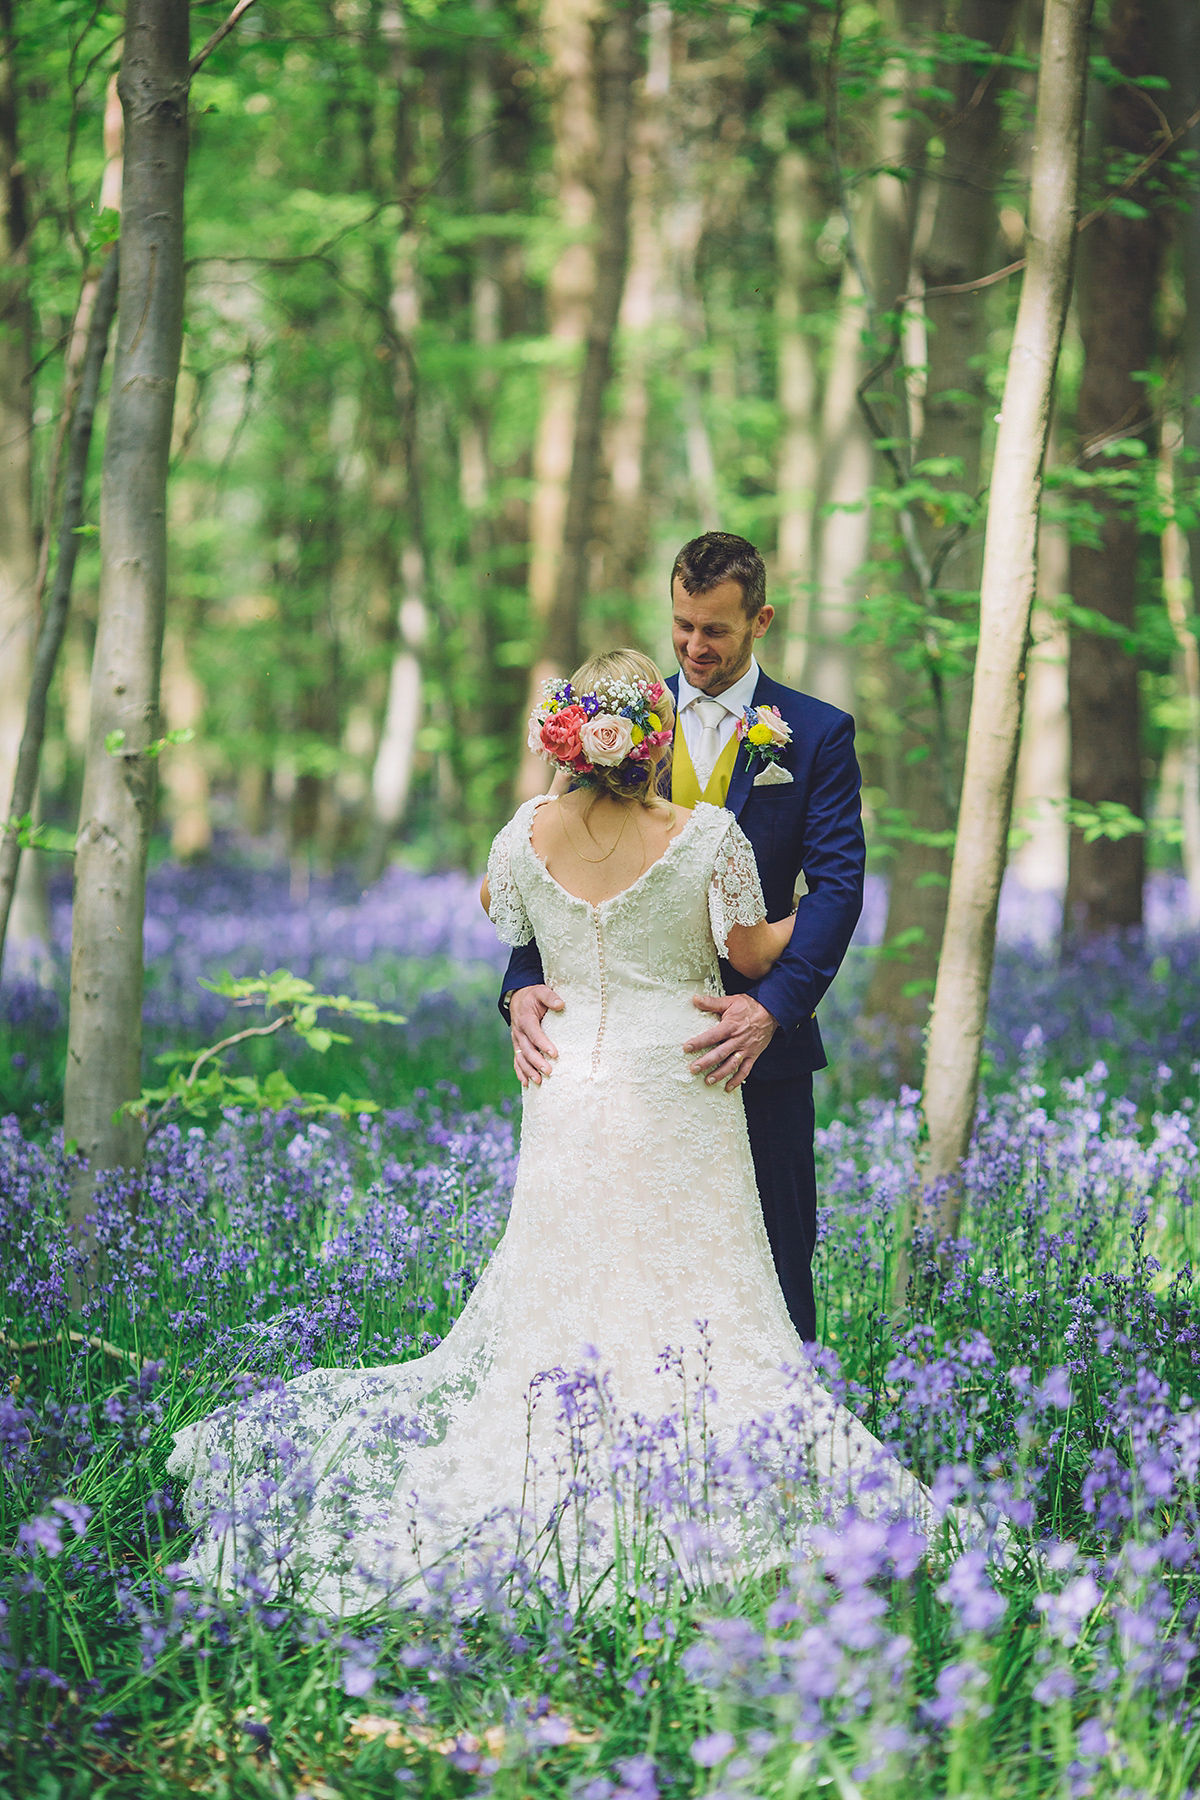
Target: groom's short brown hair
[(717, 556)]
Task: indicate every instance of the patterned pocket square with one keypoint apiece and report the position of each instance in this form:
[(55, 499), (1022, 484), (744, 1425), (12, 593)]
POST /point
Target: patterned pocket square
[(773, 776)]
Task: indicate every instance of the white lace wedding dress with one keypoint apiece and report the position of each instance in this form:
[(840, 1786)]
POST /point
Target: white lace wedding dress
[(635, 1225)]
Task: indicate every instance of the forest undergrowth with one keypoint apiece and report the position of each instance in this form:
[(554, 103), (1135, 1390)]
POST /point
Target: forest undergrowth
[(1046, 1374)]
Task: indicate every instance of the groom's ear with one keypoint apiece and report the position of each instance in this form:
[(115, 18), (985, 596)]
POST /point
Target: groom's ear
[(762, 623)]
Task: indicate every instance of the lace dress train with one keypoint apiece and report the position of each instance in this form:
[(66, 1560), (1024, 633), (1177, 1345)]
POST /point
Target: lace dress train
[(635, 1225)]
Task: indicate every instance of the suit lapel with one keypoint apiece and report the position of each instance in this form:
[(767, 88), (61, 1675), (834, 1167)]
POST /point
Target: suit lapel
[(740, 782), (742, 779)]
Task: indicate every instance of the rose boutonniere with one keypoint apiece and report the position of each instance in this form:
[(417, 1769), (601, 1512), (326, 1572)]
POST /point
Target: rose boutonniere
[(765, 734)]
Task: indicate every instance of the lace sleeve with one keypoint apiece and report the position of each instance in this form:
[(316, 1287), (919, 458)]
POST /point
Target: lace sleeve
[(507, 910), (735, 894)]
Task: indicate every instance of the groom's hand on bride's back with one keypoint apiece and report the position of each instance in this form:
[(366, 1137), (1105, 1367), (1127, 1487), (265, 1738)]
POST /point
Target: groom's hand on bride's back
[(733, 1043), (533, 1053)]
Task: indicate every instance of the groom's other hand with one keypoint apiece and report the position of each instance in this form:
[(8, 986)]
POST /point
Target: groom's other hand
[(533, 1053), (733, 1045)]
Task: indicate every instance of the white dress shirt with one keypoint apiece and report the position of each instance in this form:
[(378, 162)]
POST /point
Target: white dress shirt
[(734, 700)]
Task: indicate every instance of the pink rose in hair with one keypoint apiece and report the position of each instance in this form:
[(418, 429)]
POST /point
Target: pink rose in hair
[(607, 739)]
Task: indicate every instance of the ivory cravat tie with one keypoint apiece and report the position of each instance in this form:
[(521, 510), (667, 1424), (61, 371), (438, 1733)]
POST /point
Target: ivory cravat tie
[(709, 715)]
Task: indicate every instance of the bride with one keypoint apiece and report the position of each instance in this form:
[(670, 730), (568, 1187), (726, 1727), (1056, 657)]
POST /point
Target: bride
[(635, 1222)]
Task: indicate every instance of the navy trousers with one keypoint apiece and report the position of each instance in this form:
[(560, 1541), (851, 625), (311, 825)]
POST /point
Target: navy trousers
[(780, 1120)]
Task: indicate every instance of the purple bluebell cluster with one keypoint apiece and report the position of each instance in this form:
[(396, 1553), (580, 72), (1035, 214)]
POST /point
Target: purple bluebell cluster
[(266, 1245), (417, 944), (1135, 998)]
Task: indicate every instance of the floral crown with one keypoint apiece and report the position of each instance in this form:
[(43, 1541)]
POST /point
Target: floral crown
[(615, 724)]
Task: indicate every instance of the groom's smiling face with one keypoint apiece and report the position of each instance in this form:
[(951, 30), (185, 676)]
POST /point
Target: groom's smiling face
[(713, 638)]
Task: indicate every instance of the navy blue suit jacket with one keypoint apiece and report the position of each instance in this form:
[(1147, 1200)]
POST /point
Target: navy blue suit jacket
[(812, 823)]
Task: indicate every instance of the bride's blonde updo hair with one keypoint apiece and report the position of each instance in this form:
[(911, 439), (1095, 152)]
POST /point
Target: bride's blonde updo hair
[(629, 780)]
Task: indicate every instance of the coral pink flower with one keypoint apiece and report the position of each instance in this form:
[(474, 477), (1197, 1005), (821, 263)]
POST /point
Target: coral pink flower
[(560, 734)]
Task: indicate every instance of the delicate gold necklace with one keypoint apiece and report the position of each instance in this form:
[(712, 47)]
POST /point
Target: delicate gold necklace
[(607, 853)]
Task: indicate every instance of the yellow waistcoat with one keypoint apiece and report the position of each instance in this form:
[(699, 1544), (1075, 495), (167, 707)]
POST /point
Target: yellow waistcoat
[(685, 788)]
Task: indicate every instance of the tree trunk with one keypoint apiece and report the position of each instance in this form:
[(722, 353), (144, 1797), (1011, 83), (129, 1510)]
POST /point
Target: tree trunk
[(77, 343), (617, 67), (82, 366), (883, 234), (628, 535), (1043, 766), (54, 617), (186, 790), (391, 777), (17, 599), (1179, 26), (796, 204), (104, 1042), (694, 127), (843, 531), (1120, 267), (391, 774), (1178, 591), (1006, 597), (568, 27), (1187, 29), (494, 556), (959, 250)]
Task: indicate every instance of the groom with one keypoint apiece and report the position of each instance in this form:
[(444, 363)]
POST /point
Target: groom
[(764, 1038)]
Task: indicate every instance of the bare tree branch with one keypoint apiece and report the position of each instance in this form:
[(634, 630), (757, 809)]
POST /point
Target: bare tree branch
[(218, 36), (1130, 181)]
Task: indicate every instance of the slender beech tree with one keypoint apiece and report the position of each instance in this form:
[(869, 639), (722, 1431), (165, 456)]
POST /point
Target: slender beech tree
[(1008, 584), (882, 238), (87, 347), (476, 473), (925, 700), (1185, 750), (697, 160), (186, 788), (626, 540), (391, 776), (796, 208), (616, 67), (1120, 272), (1040, 794), (77, 342), (116, 813), (1179, 37), (17, 606), (1182, 40), (102, 306), (497, 132), (569, 30)]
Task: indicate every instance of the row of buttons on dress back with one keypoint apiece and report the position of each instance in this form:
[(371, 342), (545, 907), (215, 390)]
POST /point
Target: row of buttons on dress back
[(603, 991)]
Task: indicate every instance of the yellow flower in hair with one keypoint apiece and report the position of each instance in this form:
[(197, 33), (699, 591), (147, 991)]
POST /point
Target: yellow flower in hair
[(638, 734), (654, 722)]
